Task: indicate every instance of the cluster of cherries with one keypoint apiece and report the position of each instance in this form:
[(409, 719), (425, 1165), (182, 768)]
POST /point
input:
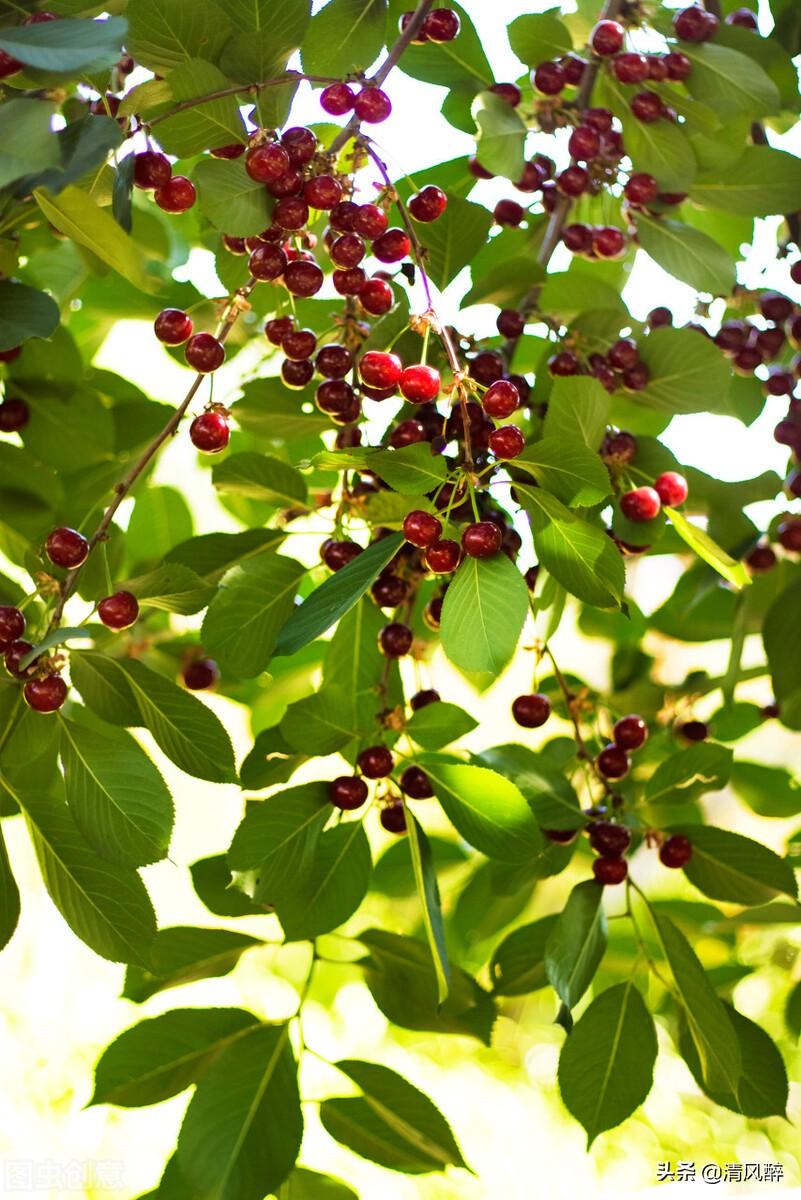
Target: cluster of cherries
[(610, 841)]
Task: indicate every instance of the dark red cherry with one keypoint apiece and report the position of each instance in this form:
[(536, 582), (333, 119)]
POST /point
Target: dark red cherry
[(376, 762), (482, 539), (609, 871), (608, 839), (205, 353), (303, 278), (607, 37), (337, 554), (531, 710), (177, 195), (67, 548), (12, 625), (415, 784), (151, 170), (613, 762), (45, 695), (14, 415), (442, 557), (506, 442), (210, 431), (173, 327), (676, 851), (630, 732), (423, 698), (393, 817), (266, 163), (395, 640), (694, 731), (421, 528), (347, 792), (119, 611), (200, 674)]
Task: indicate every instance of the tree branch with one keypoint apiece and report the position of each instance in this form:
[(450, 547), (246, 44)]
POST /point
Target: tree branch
[(239, 90)]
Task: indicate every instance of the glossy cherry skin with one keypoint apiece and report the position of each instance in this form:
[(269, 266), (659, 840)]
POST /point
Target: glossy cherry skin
[(12, 625), (45, 695), (508, 92), (372, 105), (118, 611), (379, 369), (443, 557), (531, 710), (608, 839), (201, 674), (428, 204), (610, 871), (676, 851), (613, 762), (322, 192), (393, 818), (395, 640), (67, 548), (631, 68), (630, 732), (549, 78), (482, 539), (205, 353), (297, 373), (671, 488), (151, 170), (370, 221), (389, 590), (501, 399), (694, 24), (337, 99), (507, 442), (300, 144), (392, 246), (376, 297), (266, 163), (647, 106), (641, 188), (210, 431), (509, 212), (422, 529), (419, 384), (333, 361), (173, 327), (441, 25), (303, 278), (347, 792), (607, 37), (337, 554), (14, 655), (299, 344), (640, 504), (376, 762), (177, 195), (415, 784)]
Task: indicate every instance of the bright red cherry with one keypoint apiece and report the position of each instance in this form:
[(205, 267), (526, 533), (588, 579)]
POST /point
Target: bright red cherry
[(45, 695), (419, 384), (641, 188), (119, 611), (303, 278), (266, 163), (631, 68), (507, 442), (200, 674), (376, 762), (322, 192), (531, 710), (443, 557), (630, 732), (395, 640), (441, 25), (151, 170), (370, 221), (177, 195), (613, 762), (379, 369), (501, 399), (415, 784), (392, 246), (694, 24), (348, 250), (606, 38), (549, 78), (676, 851), (428, 204), (610, 871), (482, 539), (12, 625), (173, 327), (671, 488), (210, 432), (67, 548), (376, 297), (372, 105), (421, 528), (337, 99), (205, 353), (641, 504)]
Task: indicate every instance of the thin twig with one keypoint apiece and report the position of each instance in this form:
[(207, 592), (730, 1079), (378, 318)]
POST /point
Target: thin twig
[(240, 89)]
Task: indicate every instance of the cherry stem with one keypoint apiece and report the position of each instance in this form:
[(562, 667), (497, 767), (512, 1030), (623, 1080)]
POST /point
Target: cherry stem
[(239, 89), (122, 488)]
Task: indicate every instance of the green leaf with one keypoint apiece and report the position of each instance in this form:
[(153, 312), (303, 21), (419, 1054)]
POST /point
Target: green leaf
[(344, 36), (769, 791), (782, 647), (688, 372), (567, 293), (278, 836), (65, 46), (160, 518), (709, 1023), (461, 63), (56, 637), (232, 201), (728, 866), (336, 596), (428, 892), (9, 897), (28, 144), (77, 215), (706, 548), (663, 150), (518, 963), (160, 1057), (401, 977), (260, 477), (254, 602), (334, 887), (212, 554), (212, 880), (119, 800), (213, 123), (25, 313), (487, 810), (573, 473), (271, 760), (578, 409), (409, 470), (391, 1122), (267, 35), (452, 241), (704, 767), (439, 724), (792, 1012), (762, 182), (687, 254), (311, 1185), (579, 555), (104, 688), (576, 943), (763, 1088), (501, 138), (182, 954), (243, 1127), (163, 34), (329, 719), (171, 588), (551, 796), (536, 37), (606, 1067), (483, 614), (105, 905), (729, 82)]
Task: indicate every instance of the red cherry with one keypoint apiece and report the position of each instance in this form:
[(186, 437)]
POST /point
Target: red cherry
[(789, 535), (573, 181), (322, 192), (630, 732), (694, 24), (584, 143), (613, 762), (510, 323), (507, 442), (393, 817), (564, 363), (14, 415), (659, 317), (623, 354), (119, 611), (176, 196), (509, 212), (67, 548), (619, 448), (337, 99), (209, 432), (350, 282), (549, 78), (337, 554), (348, 250), (395, 640), (370, 221), (45, 695), (441, 25), (10, 355), (389, 590), (415, 784), (12, 625), (432, 613), (423, 698), (657, 68), (641, 188), (577, 238), (482, 539), (231, 151), (291, 213), (376, 297), (647, 106), (333, 362), (531, 710), (421, 528), (201, 674), (762, 558), (376, 762), (379, 369), (419, 384), (610, 871), (303, 278), (606, 38), (428, 204), (288, 184), (347, 792), (609, 839), (501, 399), (392, 246), (599, 118), (277, 328), (676, 851), (671, 488), (641, 504), (299, 344), (631, 68), (173, 327), (679, 67), (508, 92), (335, 397), (296, 373), (8, 65), (442, 557), (151, 170), (372, 105), (266, 163), (204, 352), (300, 144), (608, 241), (343, 215), (477, 171)]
